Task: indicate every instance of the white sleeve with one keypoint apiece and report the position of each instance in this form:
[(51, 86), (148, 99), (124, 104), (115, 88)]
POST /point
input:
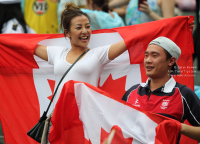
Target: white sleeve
[(52, 52), (102, 54)]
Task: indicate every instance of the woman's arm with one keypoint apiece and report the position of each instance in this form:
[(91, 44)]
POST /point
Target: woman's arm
[(191, 131), (116, 49), (167, 7), (41, 52), (117, 3), (121, 11)]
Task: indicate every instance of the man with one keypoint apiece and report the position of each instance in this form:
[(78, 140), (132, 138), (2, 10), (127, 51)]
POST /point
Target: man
[(161, 94)]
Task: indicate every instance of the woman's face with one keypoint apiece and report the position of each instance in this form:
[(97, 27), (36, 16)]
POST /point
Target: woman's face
[(80, 31)]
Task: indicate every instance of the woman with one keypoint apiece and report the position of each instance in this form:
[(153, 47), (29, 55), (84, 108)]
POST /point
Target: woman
[(100, 15), (76, 26)]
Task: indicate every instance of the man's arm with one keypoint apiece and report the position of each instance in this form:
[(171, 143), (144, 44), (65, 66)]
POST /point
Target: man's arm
[(192, 113), (191, 105), (191, 131)]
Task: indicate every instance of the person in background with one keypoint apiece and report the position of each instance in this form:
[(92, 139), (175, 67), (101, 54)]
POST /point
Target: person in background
[(146, 11), (100, 15), (41, 15), (196, 35), (12, 18), (119, 6)]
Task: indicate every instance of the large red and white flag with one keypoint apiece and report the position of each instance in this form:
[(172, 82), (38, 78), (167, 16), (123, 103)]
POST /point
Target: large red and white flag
[(85, 114), (27, 82)]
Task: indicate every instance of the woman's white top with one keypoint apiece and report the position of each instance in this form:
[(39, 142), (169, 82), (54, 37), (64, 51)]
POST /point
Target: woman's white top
[(87, 69)]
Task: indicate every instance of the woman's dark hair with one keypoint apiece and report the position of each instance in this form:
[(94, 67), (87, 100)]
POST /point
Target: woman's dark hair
[(10, 11), (102, 3), (70, 11)]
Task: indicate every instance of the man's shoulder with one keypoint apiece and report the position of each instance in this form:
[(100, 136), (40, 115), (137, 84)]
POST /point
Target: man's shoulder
[(184, 90), (127, 93), (134, 87)]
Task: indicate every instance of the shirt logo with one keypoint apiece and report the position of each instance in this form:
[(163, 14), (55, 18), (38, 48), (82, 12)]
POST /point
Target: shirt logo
[(164, 104), (40, 7), (136, 103)]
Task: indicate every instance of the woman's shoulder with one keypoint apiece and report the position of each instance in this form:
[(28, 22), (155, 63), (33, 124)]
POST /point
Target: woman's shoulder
[(99, 49), (57, 49)]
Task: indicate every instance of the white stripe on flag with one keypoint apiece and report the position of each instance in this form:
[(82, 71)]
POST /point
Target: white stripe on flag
[(98, 111)]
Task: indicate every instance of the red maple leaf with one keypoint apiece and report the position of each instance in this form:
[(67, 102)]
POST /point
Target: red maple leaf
[(52, 86), (118, 137), (114, 87), (87, 141)]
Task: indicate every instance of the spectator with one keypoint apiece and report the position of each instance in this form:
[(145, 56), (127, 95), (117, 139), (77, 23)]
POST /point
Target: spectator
[(161, 94), (119, 6), (196, 35), (149, 10), (100, 15), (12, 18), (76, 26), (41, 15)]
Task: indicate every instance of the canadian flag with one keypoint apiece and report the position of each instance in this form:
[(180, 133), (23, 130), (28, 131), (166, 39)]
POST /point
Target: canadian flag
[(27, 82), (86, 114)]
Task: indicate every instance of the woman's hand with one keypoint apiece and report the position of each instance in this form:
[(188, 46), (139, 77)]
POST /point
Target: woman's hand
[(144, 7)]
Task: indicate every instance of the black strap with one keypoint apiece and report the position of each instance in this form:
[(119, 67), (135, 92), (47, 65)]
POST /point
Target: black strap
[(63, 78)]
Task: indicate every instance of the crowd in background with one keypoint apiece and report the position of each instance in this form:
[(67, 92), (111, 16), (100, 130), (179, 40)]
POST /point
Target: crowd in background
[(43, 16)]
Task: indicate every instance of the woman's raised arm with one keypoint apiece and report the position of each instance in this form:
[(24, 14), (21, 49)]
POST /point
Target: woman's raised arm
[(116, 49), (41, 52)]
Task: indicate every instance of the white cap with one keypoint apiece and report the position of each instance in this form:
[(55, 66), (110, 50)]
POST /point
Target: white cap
[(9, 1), (168, 45)]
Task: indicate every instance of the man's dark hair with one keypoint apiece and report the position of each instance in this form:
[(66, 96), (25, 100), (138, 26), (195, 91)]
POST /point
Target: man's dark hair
[(174, 70), (168, 55)]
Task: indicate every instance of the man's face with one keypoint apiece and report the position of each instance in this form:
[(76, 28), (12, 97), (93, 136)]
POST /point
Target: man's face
[(155, 62)]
